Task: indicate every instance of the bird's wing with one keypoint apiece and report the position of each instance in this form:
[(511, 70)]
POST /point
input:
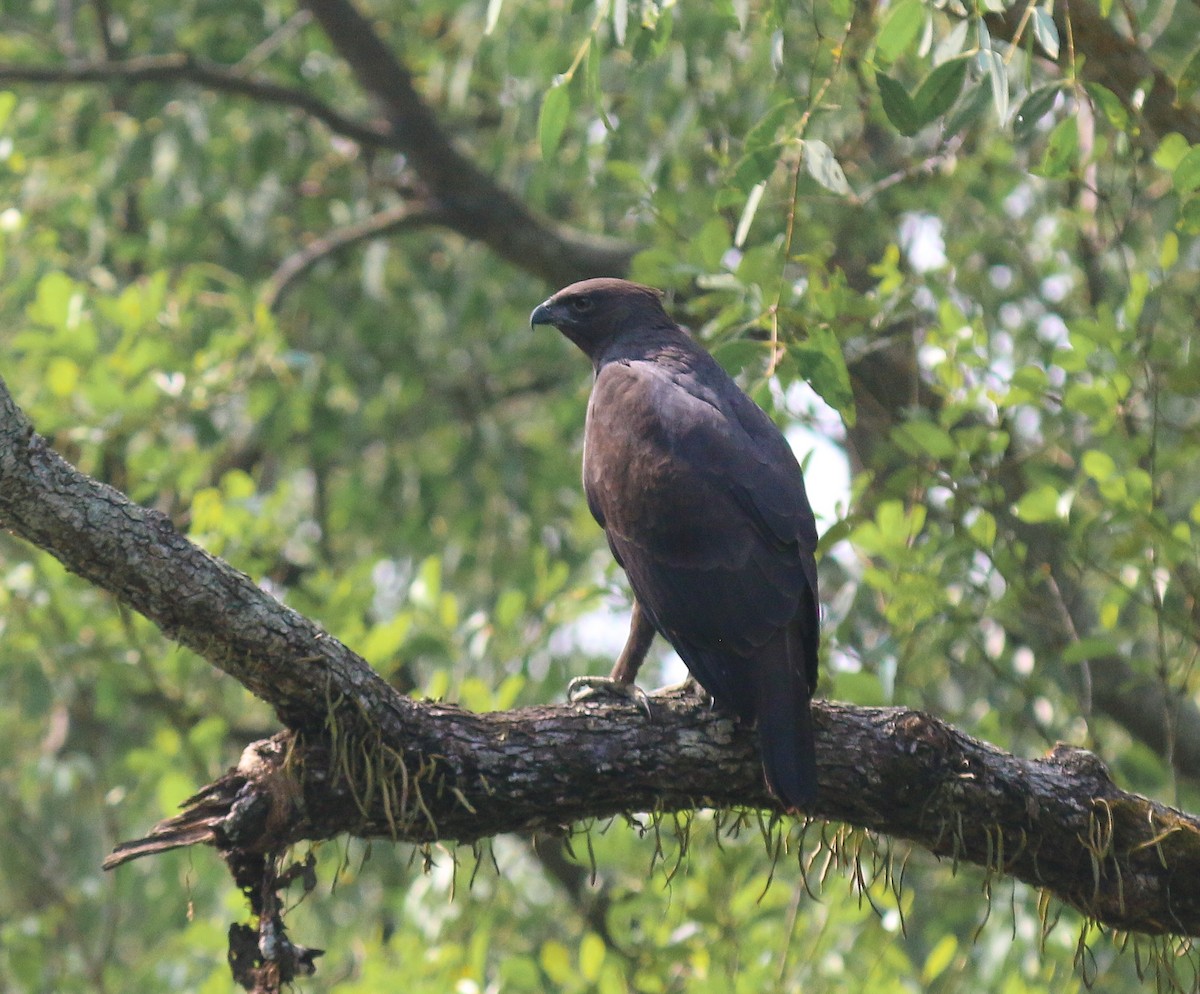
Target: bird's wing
[(704, 506)]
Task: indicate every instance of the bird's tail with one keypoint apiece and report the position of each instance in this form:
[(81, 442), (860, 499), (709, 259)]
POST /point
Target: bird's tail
[(785, 728)]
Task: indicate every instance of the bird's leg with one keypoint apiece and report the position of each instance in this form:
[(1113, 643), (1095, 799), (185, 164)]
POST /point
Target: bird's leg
[(637, 644), (619, 683)]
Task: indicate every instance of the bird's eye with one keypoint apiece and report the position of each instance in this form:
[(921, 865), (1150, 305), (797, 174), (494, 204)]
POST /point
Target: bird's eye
[(581, 305)]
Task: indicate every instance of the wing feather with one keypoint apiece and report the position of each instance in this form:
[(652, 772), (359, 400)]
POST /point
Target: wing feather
[(704, 506)]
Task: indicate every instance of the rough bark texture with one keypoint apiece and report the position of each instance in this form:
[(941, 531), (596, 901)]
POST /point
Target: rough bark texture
[(362, 759), (1058, 822)]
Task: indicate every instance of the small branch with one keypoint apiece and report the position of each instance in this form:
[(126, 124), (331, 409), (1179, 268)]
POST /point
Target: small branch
[(926, 167), (274, 41), (386, 222), (185, 68)]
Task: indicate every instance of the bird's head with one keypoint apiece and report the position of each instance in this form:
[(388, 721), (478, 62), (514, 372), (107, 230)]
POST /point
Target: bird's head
[(594, 313)]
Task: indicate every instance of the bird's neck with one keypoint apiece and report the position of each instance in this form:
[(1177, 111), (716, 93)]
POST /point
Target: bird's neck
[(667, 344)]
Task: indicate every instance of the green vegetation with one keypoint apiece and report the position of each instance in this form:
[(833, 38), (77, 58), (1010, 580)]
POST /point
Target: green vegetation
[(970, 230)]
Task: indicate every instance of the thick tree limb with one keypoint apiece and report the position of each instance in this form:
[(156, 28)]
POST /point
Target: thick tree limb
[(479, 207), (1058, 823), (361, 758)]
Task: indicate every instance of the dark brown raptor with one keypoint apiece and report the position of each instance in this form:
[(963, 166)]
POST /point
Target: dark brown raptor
[(704, 507)]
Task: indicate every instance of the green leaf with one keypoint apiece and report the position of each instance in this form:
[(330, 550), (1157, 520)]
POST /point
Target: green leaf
[(821, 361), (711, 243), (662, 30), (1188, 222), (1097, 401), (940, 957), (626, 173), (755, 168), (427, 587), (556, 961), (55, 303), (492, 16), (1189, 80), (738, 354), (1033, 108), (654, 266), (924, 438), (1170, 151), (173, 788), (1168, 254), (1062, 151), (970, 110), (898, 105), (863, 688), (899, 29), (763, 133), (1092, 647), (1041, 504), (991, 63), (941, 88), (62, 376), (823, 167), (385, 640), (1109, 105), (1186, 177), (982, 529), (591, 956), (8, 102), (727, 15), (1100, 466), (761, 150), (1045, 32), (552, 119)]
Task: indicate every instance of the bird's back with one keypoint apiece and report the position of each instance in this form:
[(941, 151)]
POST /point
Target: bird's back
[(704, 506)]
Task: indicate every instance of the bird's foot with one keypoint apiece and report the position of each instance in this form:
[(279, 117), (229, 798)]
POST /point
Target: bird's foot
[(592, 688), (690, 687)]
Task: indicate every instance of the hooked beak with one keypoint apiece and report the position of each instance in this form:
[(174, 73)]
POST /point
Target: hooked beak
[(541, 314)]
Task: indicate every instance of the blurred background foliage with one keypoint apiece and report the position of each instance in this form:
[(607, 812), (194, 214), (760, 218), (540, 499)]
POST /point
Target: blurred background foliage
[(980, 268)]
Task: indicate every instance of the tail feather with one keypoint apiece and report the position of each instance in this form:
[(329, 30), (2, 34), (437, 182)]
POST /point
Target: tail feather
[(785, 728)]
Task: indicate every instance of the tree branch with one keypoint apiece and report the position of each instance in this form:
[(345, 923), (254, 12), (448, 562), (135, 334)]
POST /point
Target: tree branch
[(1115, 61), (185, 68), (197, 600), (378, 225), (361, 758), (479, 207), (467, 199), (1058, 823)]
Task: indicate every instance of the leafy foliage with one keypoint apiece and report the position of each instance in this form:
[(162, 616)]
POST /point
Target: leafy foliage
[(910, 233)]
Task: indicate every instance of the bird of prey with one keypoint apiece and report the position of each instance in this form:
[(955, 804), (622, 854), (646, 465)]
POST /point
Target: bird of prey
[(704, 507)]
